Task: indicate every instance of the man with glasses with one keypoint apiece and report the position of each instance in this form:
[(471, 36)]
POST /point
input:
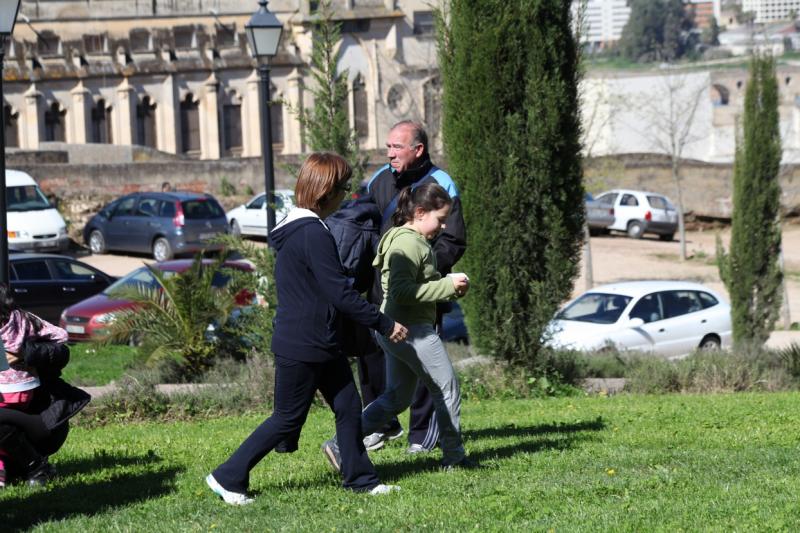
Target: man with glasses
[(409, 165)]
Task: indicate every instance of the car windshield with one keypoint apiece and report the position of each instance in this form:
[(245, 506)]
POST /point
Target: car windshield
[(595, 307), (139, 277), (26, 198), (144, 278), (659, 202), (202, 209)]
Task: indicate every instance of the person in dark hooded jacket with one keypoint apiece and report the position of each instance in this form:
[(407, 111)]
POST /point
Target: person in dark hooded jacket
[(313, 296)]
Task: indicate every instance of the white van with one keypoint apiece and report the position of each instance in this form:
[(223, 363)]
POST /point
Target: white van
[(33, 223)]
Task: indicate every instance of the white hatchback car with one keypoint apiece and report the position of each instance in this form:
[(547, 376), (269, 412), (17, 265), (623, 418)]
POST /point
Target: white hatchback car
[(671, 318), (251, 218), (640, 212)]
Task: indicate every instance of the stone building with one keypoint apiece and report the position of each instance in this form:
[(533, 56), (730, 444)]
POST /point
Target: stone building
[(177, 76)]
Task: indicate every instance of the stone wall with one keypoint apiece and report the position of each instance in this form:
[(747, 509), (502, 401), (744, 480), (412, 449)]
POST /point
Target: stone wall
[(707, 187)]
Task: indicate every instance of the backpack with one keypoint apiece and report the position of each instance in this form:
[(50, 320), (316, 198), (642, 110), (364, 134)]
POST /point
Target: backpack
[(356, 229)]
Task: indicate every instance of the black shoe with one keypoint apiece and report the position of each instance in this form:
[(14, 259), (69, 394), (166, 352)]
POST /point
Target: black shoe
[(40, 475), (465, 463)]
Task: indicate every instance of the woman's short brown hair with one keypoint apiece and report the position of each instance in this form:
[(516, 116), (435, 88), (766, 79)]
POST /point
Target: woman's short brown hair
[(319, 176)]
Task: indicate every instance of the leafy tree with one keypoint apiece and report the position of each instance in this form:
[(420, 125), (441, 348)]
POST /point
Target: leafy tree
[(326, 125), (511, 131), (751, 271), (657, 30)]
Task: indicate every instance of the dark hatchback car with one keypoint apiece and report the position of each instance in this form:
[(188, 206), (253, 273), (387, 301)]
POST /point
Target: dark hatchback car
[(46, 284), (163, 224)]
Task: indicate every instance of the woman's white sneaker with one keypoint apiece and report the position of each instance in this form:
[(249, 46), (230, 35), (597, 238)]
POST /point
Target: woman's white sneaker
[(230, 497), (383, 489)]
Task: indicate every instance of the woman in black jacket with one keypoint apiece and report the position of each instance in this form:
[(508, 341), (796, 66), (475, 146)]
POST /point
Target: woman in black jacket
[(313, 294)]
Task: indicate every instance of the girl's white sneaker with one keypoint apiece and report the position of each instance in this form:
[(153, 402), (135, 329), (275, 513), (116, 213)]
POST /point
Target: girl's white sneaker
[(230, 497), (383, 489)]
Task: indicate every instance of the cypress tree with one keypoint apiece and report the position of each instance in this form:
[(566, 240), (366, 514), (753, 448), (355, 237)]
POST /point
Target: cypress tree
[(751, 272), (511, 131), (326, 125)]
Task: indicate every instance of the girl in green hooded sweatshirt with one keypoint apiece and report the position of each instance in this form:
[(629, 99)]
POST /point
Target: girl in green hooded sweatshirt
[(411, 287)]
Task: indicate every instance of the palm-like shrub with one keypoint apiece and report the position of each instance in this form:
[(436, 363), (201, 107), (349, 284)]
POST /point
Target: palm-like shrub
[(170, 320)]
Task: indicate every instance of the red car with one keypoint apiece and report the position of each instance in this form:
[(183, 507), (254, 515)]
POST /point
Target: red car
[(89, 319)]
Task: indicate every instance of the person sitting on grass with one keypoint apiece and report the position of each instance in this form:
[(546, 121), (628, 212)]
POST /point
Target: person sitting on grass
[(411, 288), (313, 291)]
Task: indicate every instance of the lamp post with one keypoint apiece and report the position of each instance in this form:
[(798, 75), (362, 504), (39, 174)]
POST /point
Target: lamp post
[(264, 33), (8, 17)]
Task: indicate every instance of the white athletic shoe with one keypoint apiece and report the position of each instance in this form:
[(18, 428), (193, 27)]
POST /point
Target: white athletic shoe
[(374, 441), (383, 489), (232, 498)]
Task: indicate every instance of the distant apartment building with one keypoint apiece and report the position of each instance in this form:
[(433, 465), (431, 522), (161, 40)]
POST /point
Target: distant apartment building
[(603, 21), (704, 11), (769, 10)]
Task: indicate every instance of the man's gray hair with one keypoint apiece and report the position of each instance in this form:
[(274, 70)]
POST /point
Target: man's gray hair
[(418, 134)]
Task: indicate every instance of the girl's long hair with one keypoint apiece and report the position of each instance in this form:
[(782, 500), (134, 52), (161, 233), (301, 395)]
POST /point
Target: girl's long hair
[(428, 197)]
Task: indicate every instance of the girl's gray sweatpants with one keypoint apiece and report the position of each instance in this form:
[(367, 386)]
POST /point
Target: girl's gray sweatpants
[(422, 355)]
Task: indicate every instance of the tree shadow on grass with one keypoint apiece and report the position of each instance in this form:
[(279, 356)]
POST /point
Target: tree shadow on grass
[(69, 496), (542, 429), (567, 436)]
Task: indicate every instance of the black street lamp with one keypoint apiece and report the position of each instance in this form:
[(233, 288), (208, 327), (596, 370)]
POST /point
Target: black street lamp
[(264, 34), (8, 17)]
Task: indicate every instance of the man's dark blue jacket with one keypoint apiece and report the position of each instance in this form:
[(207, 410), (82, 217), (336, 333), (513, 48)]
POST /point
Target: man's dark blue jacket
[(313, 292)]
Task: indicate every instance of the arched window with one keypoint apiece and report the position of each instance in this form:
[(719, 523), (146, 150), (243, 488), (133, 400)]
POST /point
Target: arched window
[(360, 121), (54, 123), (720, 95), (190, 125), (11, 126), (146, 122), (101, 123), (275, 116), (232, 125), (432, 102)]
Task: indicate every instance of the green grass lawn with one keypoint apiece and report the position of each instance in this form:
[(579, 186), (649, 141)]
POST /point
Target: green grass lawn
[(92, 364), (622, 463)]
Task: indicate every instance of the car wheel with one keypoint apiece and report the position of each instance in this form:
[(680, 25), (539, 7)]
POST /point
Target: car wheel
[(236, 230), (635, 230), (97, 243), (667, 237), (710, 343), (162, 251)]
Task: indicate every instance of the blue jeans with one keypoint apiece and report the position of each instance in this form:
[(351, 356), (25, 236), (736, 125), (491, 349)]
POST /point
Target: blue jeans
[(422, 355)]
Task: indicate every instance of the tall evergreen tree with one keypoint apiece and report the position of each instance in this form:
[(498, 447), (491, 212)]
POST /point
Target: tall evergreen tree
[(326, 125), (511, 130), (751, 271)]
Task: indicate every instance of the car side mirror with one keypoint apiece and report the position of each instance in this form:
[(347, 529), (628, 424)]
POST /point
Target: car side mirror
[(634, 323)]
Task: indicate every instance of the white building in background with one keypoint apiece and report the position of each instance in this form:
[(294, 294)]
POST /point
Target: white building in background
[(769, 10), (603, 20), (177, 76), (626, 113)]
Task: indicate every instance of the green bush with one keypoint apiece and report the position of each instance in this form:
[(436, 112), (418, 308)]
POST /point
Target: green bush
[(226, 188)]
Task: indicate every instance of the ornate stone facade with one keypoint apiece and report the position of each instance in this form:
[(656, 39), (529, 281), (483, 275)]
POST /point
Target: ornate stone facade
[(177, 76)]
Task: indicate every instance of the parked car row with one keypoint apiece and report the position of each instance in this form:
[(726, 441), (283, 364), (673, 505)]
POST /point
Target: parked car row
[(635, 213)]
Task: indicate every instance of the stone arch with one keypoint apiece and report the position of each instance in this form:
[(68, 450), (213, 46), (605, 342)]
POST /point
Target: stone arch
[(720, 95)]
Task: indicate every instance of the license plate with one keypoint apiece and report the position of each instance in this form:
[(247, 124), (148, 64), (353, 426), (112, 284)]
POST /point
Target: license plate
[(75, 329), (206, 236)]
